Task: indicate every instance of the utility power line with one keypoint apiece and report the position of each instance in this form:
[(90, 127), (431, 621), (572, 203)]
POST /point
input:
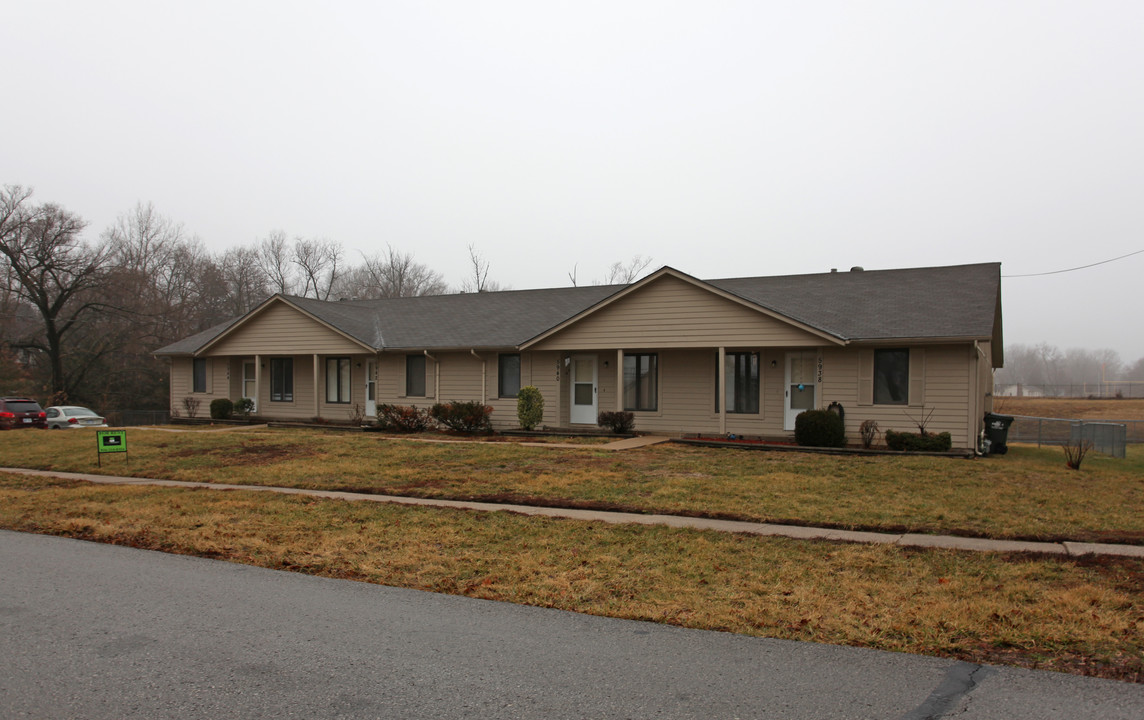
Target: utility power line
[(1081, 267)]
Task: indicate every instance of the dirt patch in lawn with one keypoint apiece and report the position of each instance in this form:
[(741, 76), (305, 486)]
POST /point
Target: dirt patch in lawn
[(247, 453)]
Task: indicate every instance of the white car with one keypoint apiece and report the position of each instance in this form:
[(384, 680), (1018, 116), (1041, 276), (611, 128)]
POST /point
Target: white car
[(71, 416)]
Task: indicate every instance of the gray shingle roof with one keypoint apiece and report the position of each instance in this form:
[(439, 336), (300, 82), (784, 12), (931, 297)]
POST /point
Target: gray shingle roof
[(941, 302), (956, 301)]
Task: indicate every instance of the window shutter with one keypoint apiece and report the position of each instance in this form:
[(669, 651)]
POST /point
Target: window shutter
[(866, 376), (917, 396)]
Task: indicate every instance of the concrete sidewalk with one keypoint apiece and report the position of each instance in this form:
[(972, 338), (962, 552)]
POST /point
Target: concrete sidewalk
[(949, 542)]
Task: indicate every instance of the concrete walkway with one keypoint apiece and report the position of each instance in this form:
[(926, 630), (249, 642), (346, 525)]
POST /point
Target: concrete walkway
[(949, 542)]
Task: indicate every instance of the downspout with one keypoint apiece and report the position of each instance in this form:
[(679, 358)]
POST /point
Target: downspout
[(436, 376), (978, 417), (721, 382), (484, 374)]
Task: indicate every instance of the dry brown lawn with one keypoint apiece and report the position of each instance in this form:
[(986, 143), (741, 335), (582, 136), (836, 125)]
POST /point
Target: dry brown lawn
[(1027, 494), (1074, 615)]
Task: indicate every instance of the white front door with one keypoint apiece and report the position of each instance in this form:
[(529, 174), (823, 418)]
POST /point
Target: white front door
[(801, 385), (248, 382), (583, 373), (370, 390)]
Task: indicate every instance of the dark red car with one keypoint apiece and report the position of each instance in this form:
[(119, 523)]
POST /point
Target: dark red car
[(16, 412)]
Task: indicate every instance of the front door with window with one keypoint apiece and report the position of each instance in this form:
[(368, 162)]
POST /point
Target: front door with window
[(583, 374), (249, 383), (801, 385), (370, 389)]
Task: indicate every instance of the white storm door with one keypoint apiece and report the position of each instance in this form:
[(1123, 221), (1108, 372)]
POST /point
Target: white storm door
[(248, 382), (801, 385), (370, 389), (583, 407)]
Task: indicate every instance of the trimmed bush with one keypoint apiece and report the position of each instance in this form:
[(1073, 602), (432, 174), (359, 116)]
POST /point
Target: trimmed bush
[(529, 407), (617, 421), (243, 407), (221, 409), (466, 417), (819, 428), (930, 442), (403, 418)]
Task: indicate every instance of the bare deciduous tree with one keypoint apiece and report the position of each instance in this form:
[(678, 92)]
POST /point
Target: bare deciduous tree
[(478, 281), (623, 273), (397, 274), (245, 279), (274, 252), (319, 262), (618, 273), (52, 269)]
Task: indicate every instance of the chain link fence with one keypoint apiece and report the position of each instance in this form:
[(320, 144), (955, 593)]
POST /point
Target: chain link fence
[(1055, 431), (132, 418), (1118, 389)]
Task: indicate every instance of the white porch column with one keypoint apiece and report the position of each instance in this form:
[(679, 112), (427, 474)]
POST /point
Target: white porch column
[(721, 373), (619, 381), (317, 407), (257, 384)]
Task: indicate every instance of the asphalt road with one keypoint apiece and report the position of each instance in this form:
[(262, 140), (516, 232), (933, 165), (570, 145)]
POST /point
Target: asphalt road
[(97, 631)]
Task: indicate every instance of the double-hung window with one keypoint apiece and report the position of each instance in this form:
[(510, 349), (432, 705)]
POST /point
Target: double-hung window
[(741, 382), (338, 380), (892, 376), (508, 376), (641, 381), (200, 375), (415, 376), (282, 379)]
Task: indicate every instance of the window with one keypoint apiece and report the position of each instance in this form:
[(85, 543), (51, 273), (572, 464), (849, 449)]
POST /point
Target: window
[(282, 379), (338, 380), (641, 385), (415, 375), (741, 370), (508, 376), (891, 377), (200, 375)]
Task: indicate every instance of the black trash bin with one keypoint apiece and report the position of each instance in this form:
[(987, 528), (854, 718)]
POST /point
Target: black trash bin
[(997, 432)]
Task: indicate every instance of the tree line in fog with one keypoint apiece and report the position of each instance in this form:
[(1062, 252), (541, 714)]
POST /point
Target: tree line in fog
[(80, 318)]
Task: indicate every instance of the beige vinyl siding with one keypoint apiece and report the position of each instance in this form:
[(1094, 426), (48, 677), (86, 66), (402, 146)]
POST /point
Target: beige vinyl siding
[(461, 381), (182, 384), (946, 384), (340, 412), (673, 313), (302, 406), (282, 330), (687, 388)]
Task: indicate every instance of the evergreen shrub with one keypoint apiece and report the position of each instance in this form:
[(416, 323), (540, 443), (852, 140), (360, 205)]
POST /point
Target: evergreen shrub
[(529, 407), (466, 417), (221, 409), (819, 428), (916, 442), (617, 421)]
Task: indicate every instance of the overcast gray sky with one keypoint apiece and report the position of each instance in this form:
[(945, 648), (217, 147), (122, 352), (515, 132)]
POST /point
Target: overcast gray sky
[(723, 139)]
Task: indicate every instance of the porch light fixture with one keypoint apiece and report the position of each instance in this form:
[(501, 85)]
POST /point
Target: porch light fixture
[(774, 363)]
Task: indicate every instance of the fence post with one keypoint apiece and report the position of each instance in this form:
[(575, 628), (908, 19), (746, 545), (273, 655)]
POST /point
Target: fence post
[(1040, 422)]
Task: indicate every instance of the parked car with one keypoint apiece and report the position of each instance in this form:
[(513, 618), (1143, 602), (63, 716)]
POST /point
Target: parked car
[(72, 416), (18, 412)]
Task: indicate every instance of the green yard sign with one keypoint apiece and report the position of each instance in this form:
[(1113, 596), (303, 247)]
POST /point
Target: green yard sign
[(111, 441)]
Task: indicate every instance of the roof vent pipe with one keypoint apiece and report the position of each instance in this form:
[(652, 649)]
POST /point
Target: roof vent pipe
[(857, 268), (833, 269)]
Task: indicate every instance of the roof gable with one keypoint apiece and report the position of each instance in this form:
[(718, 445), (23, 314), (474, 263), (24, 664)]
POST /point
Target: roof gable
[(671, 309), (280, 326)]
